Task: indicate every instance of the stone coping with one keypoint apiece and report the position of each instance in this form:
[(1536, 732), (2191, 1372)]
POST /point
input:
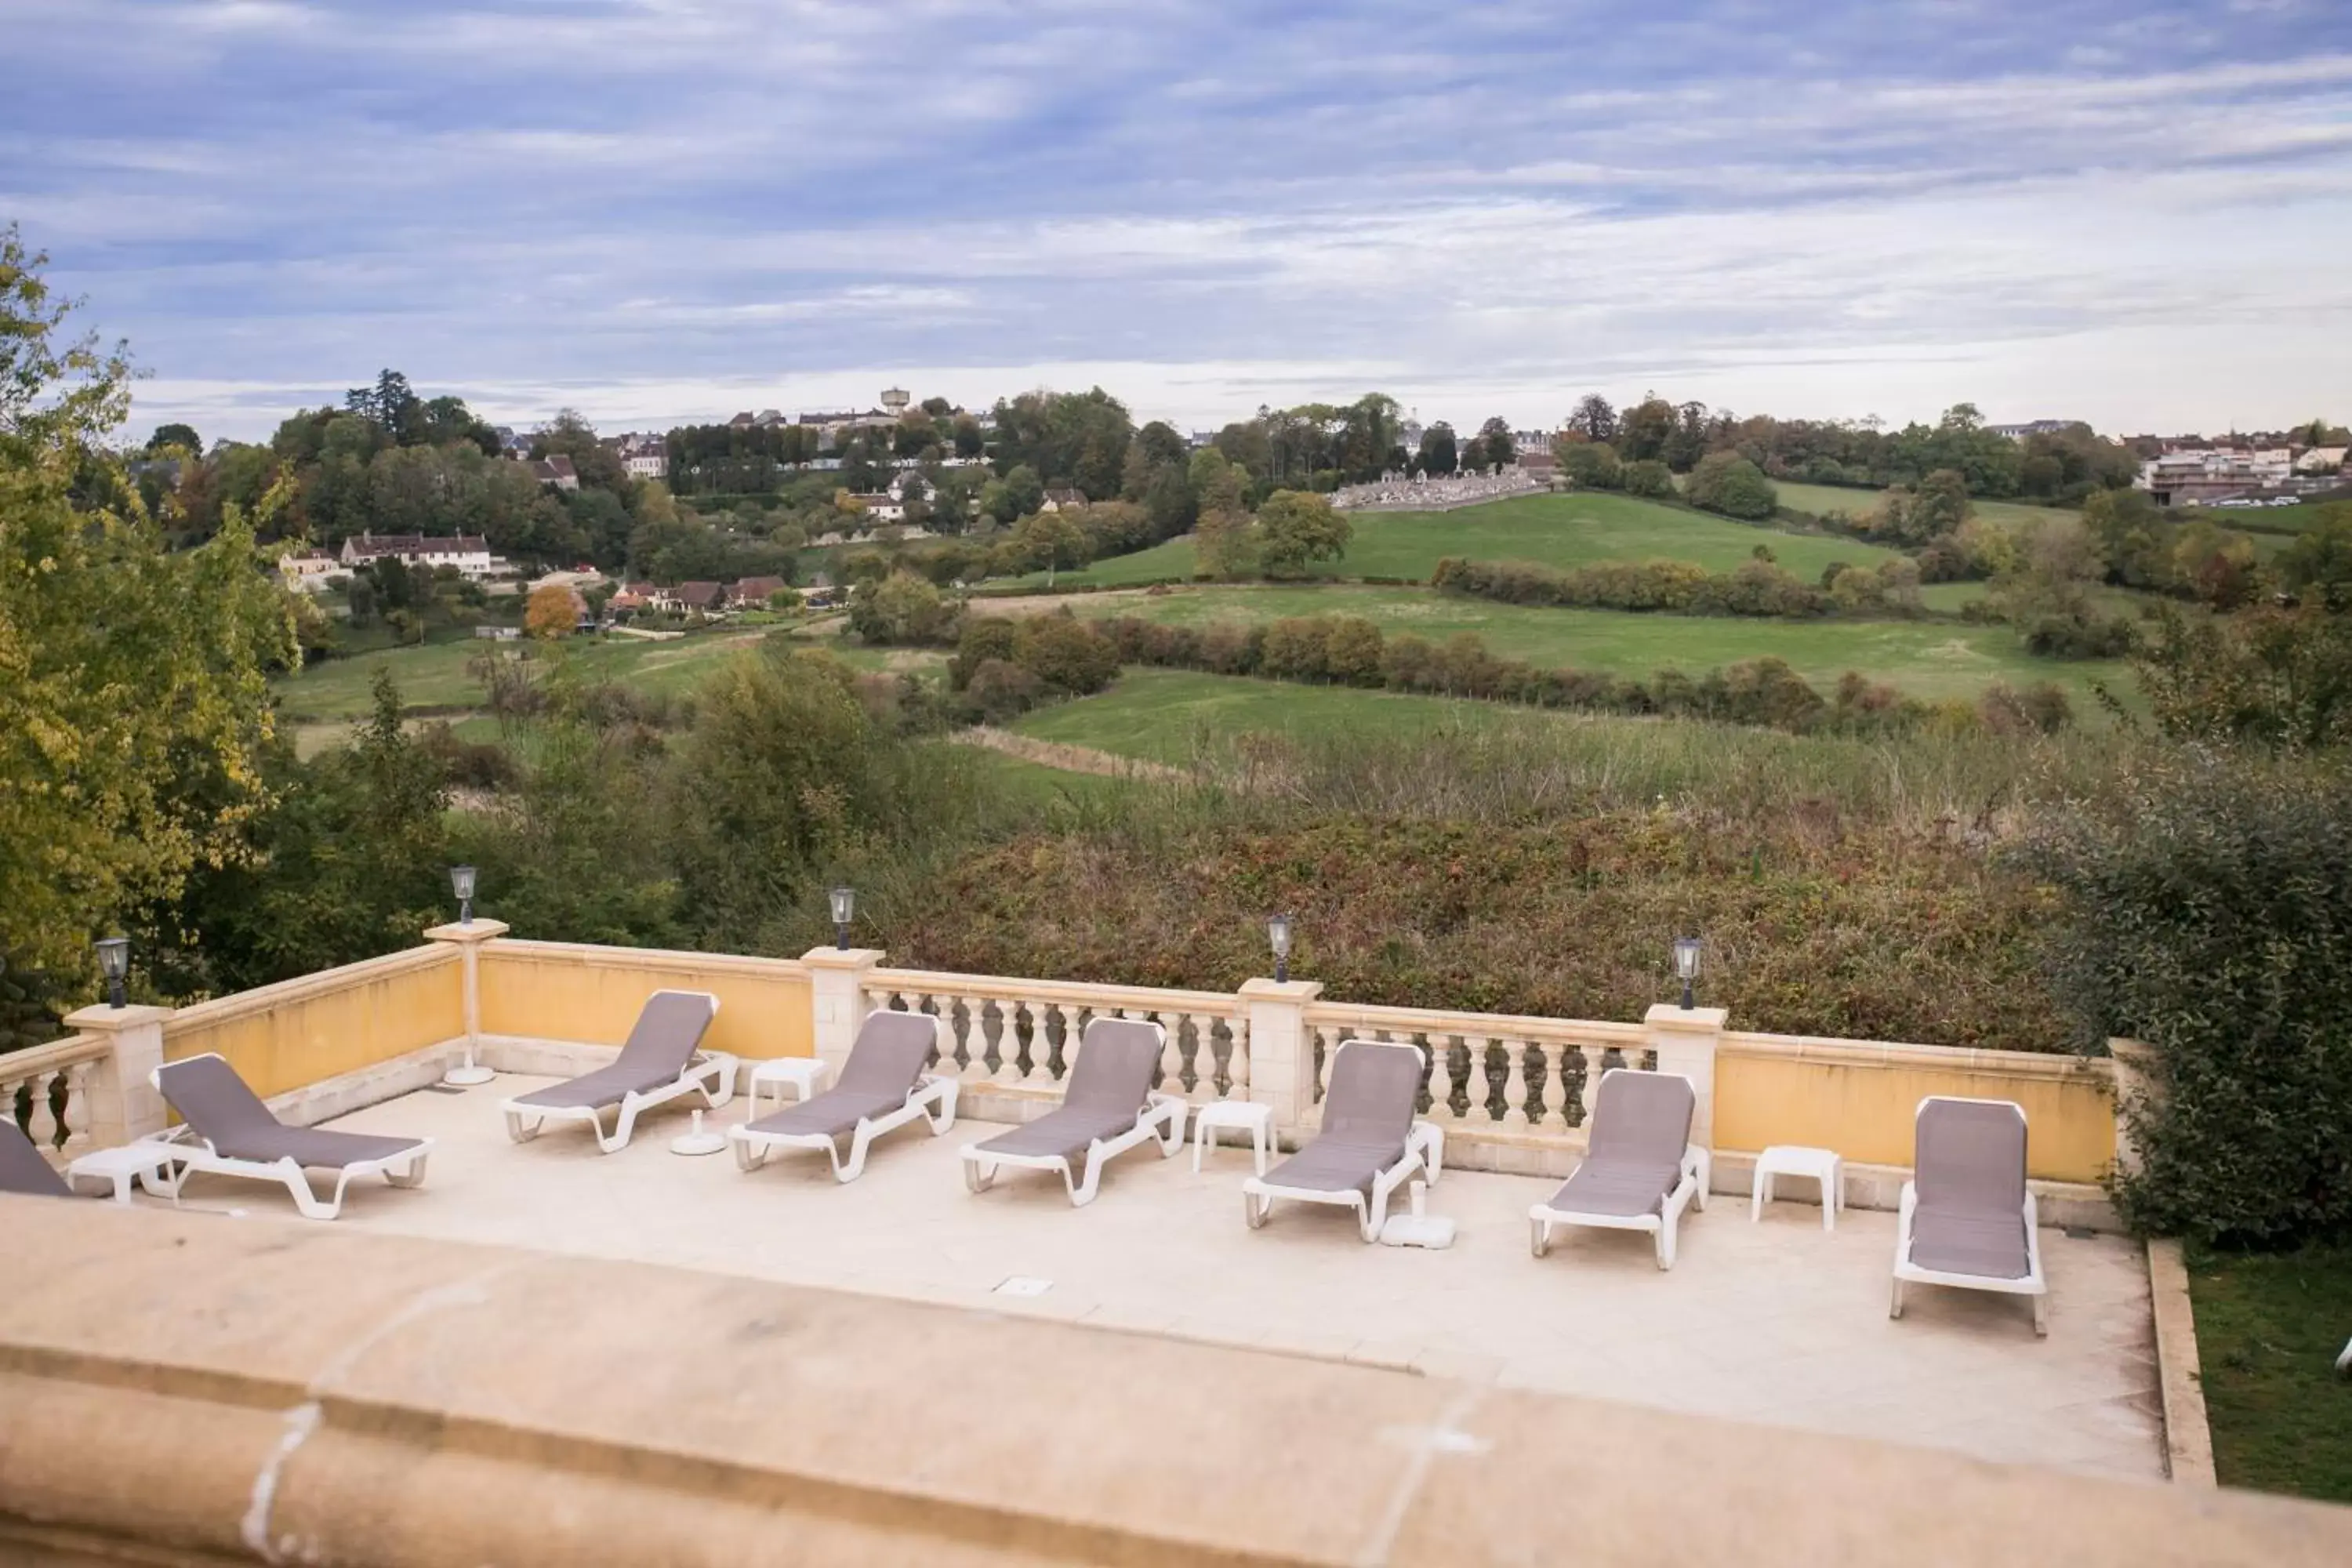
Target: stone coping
[(313, 1392), (2188, 1438)]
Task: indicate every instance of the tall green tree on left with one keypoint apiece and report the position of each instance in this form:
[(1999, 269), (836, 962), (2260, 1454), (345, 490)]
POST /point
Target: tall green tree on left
[(134, 708)]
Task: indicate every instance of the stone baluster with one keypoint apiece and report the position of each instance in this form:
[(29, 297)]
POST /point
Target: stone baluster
[(1237, 1057), (1515, 1086), (1204, 1059), (1008, 1044), (77, 1093), (1586, 1068), (975, 1069), (43, 1127)]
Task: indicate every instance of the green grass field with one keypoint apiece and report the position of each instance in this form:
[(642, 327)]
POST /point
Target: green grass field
[(1924, 658), (1560, 530), (1164, 715), (434, 675), (2268, 1329), (1821, 500)]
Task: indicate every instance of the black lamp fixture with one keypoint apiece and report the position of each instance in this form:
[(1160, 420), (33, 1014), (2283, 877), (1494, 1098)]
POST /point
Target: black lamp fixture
[(461, 882), (114, 964), (844, 910), (1687, 965), (1277, 935)]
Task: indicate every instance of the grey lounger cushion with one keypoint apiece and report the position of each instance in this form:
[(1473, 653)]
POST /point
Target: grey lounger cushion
[(22, 1168), (218, 1108), (885, 1064), (1110, 1086), (1367, 1117), (1641, 1126), (667, 1032), (1970, 1181)]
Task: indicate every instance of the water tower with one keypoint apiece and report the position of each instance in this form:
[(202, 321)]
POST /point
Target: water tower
[(895, 400)]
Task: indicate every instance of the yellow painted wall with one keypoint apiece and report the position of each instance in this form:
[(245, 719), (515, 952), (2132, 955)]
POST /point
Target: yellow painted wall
[(284, 1037), (1864, 1111), (557, 991)]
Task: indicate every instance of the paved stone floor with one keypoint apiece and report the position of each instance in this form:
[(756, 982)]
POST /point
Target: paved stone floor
[(1774, 1322)]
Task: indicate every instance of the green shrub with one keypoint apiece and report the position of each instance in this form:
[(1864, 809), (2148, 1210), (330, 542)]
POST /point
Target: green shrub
[(1729, 483), (1649, 478), (999, 689), (2207, 912), (1757, 588), (1590, 465), (984, 638), (1067, 653)]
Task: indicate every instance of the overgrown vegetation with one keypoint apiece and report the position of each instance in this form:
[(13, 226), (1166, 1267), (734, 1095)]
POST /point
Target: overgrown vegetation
[(2204, 906)]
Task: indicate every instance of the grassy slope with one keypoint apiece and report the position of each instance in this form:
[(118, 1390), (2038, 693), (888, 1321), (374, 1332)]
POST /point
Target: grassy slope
[(434, 674), (1161, 715), (1820, 499), (1926, 658), (2268, 1331), (1562, 530)]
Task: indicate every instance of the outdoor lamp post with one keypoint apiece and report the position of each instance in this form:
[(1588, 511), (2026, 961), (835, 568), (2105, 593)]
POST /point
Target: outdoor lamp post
[(844, 910), (114, 964), (1687, 965), (461, 882), (1277, 933)]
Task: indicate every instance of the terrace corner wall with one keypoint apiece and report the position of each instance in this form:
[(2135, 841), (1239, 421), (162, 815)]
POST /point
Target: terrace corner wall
[(591, 995), (1859, 1097), (302, 1032)]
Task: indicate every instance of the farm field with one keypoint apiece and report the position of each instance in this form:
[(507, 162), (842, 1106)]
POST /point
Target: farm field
[(1559, 530), (1818, 501), (1166, 715), (1924, 658), (433, 675)]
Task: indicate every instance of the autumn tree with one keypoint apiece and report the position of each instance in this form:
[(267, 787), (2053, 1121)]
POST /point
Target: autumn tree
[(552, 612)]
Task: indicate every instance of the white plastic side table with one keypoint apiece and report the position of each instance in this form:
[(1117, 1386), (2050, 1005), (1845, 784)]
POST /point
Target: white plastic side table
[(1823, 1166), (149, 1160), (1242, 1113), (805, 1073)]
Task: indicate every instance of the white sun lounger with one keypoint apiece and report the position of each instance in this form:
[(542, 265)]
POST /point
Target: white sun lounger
[(1370, 1145), (1968, 1216), (659, 1063), (883, 1087), (1109, 1108), (1639, 1169), (229, 1131)]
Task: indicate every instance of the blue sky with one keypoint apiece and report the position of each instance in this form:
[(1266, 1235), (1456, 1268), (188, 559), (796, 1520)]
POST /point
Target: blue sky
[(661, 209)]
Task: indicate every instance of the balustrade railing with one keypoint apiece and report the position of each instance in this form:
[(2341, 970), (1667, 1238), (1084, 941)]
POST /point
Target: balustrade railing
[(1024, 1034), (1488, 1072), (45, 1092)]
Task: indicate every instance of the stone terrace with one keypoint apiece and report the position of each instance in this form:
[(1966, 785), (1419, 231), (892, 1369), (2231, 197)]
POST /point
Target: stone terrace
[(1776, 1322)]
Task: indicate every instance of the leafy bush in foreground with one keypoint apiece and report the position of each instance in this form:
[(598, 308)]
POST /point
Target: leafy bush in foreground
[(2209, 914)]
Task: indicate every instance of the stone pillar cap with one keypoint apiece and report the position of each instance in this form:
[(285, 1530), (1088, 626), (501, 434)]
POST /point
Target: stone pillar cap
[(843, 957), (100, 1018), (460, 930), (1279, 990), (1702, 1020)]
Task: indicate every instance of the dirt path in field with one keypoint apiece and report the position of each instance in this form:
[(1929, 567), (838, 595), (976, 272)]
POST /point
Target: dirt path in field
[(1069, 759)]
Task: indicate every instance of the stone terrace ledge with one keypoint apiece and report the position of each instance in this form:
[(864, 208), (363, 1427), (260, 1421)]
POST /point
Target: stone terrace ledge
[(176, 1388)]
